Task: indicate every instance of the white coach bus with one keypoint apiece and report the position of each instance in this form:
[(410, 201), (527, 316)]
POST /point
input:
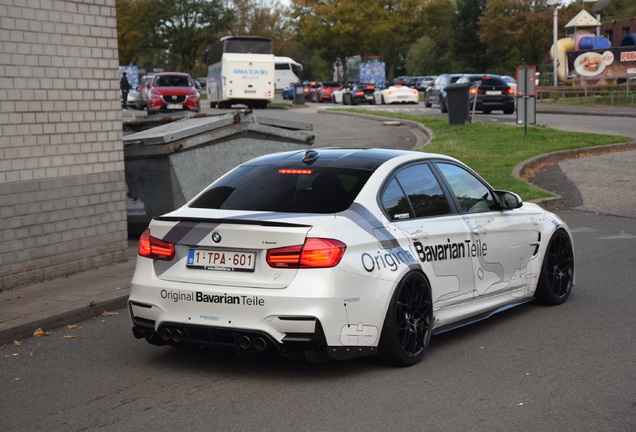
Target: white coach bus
[(288, 72), (240, 71)]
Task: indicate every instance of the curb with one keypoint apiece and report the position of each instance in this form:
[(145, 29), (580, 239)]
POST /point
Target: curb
[(57, 321), (556, 202), (423, 135)]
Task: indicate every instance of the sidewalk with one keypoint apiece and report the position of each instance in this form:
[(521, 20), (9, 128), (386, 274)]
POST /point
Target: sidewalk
[(597, 110), (67, 300)]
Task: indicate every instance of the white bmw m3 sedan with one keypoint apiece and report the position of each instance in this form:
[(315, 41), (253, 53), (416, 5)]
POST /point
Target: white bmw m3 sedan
[(341, 253)]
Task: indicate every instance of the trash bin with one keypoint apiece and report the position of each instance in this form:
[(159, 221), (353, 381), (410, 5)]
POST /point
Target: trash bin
[(299, 94), (458, 97)]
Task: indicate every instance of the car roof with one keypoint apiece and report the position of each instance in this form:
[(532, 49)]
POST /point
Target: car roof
[(172, 73), (364, 159)]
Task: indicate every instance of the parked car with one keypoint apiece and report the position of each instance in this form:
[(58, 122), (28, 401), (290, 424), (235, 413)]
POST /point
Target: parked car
[(342, 253), (172, 91), (399, 80), (133, 98), (396, 94), (337, 95), (424, 82), (288, 92), (436, 94), (410, 81), (512, 83), (359, 93), (144, 85), (491, 93), (323, 92), (309, 86)]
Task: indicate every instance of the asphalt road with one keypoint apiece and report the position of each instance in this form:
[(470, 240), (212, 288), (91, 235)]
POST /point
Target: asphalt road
[(532, 368)]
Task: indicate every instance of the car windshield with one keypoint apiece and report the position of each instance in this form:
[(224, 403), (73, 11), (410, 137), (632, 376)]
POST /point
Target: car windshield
[(285, 189), (173, 81)]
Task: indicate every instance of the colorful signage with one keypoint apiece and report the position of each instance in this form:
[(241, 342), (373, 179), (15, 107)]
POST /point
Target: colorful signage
[(607, 63)]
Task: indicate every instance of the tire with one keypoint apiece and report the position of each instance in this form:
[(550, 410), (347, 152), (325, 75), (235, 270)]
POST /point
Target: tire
[(407, 327), (383, 101), (557, 270), (486, 111), (509, 111), (427, 103), (442, 105), (344, 99)]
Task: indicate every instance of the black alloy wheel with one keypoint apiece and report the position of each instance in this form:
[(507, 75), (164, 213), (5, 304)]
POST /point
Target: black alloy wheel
[(557, 271), (408, 324)]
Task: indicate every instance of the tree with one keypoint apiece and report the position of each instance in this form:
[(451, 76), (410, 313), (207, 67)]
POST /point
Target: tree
[(182, 28), (132, 35), (519, 32), (347, 28), (431, 54), (266, 18), (469, 52)]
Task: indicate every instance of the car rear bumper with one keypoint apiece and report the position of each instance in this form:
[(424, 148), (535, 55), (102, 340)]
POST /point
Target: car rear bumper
[(309, 317)]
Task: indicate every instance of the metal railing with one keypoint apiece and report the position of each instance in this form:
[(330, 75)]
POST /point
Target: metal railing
[(589, 95)]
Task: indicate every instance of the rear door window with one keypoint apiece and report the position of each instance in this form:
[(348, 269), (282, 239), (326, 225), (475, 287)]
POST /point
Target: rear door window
[(414, 192)]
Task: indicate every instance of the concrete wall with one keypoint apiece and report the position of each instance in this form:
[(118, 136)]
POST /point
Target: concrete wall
[(62, 185)]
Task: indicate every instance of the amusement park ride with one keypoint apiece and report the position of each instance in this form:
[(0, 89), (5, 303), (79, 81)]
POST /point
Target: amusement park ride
[(586, 58)]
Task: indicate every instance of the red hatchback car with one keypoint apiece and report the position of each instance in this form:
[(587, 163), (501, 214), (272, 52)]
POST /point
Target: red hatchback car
[(172, 91), (323, 92)]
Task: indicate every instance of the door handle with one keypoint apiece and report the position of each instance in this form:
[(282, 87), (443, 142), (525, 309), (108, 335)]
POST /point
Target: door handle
[(480, 230), (419, 235)]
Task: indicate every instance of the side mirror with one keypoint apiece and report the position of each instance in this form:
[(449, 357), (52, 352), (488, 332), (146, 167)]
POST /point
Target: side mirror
[(509, 200)]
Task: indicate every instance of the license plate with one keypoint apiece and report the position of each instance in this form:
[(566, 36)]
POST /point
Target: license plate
[(250, 91), (402, 97), (493, 92), (175, 106), (221, 260)]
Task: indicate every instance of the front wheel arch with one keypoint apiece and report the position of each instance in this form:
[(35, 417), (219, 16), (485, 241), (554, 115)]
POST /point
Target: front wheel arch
[(557, 270)]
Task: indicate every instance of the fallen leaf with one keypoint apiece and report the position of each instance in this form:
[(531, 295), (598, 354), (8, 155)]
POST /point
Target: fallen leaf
[(5, 300), (69, 336), (24, 316), (39, 332), (71, 326), (18, 296), (17, 343), (108, 313)]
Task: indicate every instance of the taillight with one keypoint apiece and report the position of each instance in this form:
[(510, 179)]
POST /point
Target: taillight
[(315, 253), (473, 90), (510, 91), (151, 247), (359, 93)]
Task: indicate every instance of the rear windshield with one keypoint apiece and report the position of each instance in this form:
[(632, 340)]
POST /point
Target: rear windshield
[(491, 81), (285, 189)]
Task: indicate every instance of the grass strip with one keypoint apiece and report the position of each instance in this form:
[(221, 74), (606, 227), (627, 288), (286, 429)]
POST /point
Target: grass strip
[(493, 149)]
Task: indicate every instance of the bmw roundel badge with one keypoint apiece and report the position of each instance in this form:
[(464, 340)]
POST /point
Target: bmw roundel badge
[(216, 237)]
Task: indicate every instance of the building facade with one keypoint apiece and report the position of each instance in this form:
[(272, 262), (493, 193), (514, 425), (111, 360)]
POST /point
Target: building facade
[(62, 185)]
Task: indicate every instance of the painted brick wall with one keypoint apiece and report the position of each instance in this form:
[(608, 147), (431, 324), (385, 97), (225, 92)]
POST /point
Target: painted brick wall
[(62, 185)]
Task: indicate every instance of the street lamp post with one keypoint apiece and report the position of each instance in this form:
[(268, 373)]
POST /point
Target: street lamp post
[(555, 30)]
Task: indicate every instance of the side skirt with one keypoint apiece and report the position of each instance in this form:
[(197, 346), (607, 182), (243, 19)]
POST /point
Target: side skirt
[(480, 317)]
